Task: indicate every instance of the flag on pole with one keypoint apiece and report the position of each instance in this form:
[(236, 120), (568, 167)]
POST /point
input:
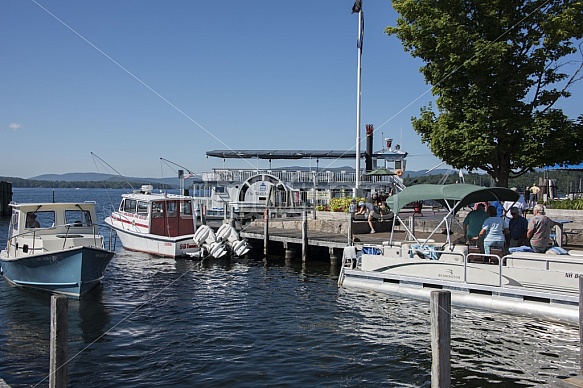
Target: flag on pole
[(357, 7)]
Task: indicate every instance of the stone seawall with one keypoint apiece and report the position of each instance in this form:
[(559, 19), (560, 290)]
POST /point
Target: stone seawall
[(337, 222)]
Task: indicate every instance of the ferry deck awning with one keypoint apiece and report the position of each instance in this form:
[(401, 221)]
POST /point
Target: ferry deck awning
[(287, 154)]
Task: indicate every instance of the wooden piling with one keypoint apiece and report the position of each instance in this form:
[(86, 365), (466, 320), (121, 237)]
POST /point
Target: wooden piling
[(350, 235), (581, 325), (304, 235), (202, 214), (59, 339), (5, 198), (265, 231), (333, 257), (441, 339)]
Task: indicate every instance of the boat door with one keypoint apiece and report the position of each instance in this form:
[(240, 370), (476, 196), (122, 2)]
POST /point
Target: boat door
[(172, 218), (157, 219)]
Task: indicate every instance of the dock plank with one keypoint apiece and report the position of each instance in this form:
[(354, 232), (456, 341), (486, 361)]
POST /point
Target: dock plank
[(316, 238)]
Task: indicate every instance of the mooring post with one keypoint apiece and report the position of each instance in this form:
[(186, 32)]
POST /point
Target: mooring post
[(333, 257), (59, 339), (203, 214), (350, 239), (580, 325), (233, 223), (265, 231), (441, 339), (304, 235)]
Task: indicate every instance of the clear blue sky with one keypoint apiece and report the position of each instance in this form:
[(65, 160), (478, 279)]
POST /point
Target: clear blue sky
[(134, 81)]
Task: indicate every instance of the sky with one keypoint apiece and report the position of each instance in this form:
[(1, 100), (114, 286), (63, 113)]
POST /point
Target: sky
[(138, 80)]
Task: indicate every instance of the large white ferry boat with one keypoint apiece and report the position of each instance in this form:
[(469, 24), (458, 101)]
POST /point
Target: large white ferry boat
[(244, 194)]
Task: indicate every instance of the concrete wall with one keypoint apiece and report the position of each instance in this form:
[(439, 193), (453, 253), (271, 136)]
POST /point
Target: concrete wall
[(337, 222)]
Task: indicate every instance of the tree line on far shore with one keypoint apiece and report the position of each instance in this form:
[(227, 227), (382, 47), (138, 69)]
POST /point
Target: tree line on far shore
[(108, 184), (567, 181)]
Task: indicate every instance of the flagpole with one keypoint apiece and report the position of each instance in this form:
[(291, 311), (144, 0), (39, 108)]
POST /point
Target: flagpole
[(358, 97)]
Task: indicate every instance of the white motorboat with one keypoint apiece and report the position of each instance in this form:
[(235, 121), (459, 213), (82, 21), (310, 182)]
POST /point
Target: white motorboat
[(165, 225), (55, 247), (161, 224), (526, 283)]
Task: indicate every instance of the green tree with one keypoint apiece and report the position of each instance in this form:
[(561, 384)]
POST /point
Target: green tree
[(497, 69)]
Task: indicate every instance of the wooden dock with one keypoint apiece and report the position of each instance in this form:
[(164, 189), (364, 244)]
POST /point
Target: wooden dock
[(290, 242)]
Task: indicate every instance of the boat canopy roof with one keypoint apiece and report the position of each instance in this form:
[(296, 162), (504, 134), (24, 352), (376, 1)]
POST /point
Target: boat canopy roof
[(57, 206), (454, 196), (294, 154)]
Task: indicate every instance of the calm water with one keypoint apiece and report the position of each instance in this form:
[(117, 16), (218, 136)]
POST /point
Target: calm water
[(255, 322)]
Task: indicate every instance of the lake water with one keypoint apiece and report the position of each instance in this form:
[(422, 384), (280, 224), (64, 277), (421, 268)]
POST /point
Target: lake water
[(258, 322)]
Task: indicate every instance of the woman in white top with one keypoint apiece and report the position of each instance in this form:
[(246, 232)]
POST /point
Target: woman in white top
[(493, 231)]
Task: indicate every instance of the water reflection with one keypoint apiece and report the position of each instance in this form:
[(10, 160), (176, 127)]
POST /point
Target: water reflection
[(94, 317)]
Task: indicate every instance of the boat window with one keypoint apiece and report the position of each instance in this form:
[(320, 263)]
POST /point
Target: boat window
[(157, 209), (185, 208), (41, 219), (15, 219), (171, 209), (78, 217), (129, 205), (142, 208)]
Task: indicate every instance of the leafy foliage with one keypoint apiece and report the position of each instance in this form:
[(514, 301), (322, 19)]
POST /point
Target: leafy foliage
[(567, 181), (497, 69), (572, 204), (342, 204)]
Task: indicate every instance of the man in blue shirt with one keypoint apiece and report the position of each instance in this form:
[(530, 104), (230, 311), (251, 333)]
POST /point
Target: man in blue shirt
[(518, 226)]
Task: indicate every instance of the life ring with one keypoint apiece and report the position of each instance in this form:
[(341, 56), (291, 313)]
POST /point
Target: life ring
[(399, 172)]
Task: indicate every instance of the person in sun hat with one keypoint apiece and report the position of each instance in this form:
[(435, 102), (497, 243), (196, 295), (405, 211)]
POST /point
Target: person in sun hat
[(31, 221)]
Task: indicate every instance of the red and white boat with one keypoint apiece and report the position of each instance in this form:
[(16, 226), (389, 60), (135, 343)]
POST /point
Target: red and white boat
[(161, 224)]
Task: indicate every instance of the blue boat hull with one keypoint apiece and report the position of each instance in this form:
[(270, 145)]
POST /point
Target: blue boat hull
[(71, 272)]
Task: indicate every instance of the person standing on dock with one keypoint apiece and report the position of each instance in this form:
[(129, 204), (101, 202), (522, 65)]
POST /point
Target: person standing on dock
[(534, 190)]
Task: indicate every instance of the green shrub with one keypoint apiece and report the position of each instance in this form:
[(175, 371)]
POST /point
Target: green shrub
[(342, 204), (566, 204)]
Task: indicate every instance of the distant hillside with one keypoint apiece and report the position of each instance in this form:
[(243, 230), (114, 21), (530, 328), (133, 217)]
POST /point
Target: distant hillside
[(74, 177), (94, 180), (415, 174), (99, 177)]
